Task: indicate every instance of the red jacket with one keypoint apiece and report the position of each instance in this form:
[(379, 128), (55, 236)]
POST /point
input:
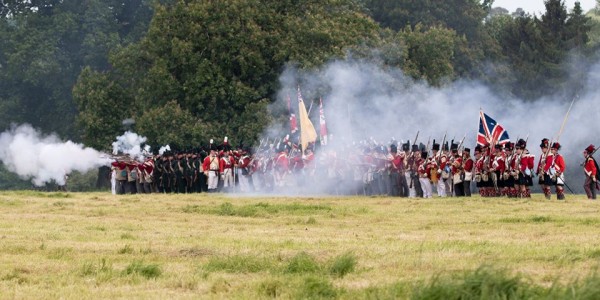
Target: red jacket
[(226, 163), (590, 167)]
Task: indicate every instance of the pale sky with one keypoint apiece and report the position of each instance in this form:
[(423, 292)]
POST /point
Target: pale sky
[(537, 6)]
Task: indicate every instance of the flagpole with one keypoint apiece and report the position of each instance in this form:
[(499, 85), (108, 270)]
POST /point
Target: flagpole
[(562, 127)]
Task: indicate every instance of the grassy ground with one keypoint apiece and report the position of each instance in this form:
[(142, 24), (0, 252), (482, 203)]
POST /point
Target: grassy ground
[(96, 245)]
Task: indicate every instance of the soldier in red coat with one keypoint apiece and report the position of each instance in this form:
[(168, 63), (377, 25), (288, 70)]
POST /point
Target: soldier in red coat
[(120, 176), (591, 172), (210, 165), (244, 164), (524, 164), (497, 169), (543, 178), (554, 170), (396, 170), (425, 165), (510, 173), (226, 164), (457, 173), (282, 167), (468, 168)]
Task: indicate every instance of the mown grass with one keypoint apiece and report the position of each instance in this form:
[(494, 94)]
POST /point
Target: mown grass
[(95, 245), (260, 209)]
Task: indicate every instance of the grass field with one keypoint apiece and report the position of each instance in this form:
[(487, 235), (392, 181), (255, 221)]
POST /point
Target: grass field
[(96, 245)]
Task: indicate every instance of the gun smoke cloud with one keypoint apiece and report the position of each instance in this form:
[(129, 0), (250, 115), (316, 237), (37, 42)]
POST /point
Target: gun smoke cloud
[(131, 143), (43, 159), (364, 101)]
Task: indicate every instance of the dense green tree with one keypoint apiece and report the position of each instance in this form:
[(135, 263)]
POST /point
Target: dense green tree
[(578, 27), (465, 17), (44, 45), (429, 53), (101, 109), (536, 52), (220, 60)]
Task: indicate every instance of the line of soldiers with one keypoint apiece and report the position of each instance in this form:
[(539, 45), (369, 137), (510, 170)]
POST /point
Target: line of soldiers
[(368, 168), (187, 171)]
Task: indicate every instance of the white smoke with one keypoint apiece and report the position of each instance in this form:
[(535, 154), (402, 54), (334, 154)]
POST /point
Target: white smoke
[(363, 100), (130, 143), (164, 149), (42, 159)]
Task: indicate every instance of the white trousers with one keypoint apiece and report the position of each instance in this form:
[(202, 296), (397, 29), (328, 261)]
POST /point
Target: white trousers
[(227, 177), (426, 187), (441, 188), (412, 192), (213, 180), (113, 182)]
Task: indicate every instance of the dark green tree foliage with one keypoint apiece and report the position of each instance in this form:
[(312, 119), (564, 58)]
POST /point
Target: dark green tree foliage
[(577, 28), (219, 61), (522, 45), (465, 17), (537, 51), (430, 53), (101, 109), (44, 45)]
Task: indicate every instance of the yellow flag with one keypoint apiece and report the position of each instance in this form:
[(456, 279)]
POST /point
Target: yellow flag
[(308, 134)]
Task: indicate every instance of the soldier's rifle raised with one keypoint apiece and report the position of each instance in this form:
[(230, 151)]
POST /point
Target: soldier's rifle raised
[(416, 138), (414, 143), (439, 155), (462, 142), (120, 158)]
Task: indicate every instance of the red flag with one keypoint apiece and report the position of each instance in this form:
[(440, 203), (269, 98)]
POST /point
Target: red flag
[(322, 122), (293, 123)]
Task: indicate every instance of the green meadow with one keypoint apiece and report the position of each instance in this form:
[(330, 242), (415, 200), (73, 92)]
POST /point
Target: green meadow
[(97, 245)]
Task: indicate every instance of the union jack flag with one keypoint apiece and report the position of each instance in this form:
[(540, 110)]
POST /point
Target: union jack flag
[(490, 132)]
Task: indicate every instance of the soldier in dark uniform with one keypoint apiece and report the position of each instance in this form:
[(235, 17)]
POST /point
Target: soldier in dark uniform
[(189, 171), (168, 176), (196, 170), (202, 179), (158, 173), (179, 180)]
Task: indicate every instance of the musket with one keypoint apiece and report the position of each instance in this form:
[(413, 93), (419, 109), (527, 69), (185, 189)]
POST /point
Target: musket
[(416, 138), (428, 144), (543, 158), (462, 141), (562, 127), (442, 146), (560, 131), (121, 158)]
